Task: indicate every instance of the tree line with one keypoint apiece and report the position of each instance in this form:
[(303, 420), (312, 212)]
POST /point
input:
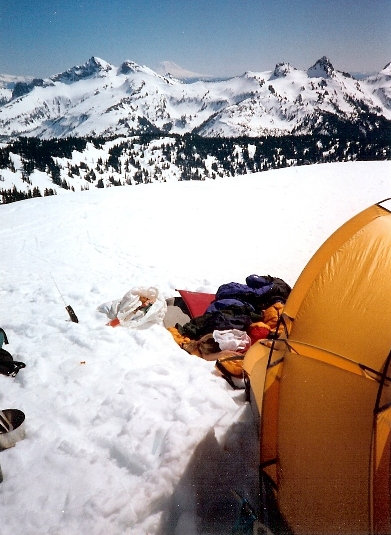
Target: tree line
[(150, 157)]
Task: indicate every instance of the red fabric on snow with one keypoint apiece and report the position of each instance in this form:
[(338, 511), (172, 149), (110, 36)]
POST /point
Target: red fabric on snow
[(196, 302)]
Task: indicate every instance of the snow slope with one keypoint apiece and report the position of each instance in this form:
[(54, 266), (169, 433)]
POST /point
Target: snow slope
[(127, 434)]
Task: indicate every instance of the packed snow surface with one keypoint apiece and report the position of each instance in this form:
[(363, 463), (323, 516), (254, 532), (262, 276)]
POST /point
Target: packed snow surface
[(126, 433)]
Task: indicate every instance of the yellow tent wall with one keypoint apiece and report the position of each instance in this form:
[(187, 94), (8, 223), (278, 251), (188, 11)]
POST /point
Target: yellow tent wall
[(342, 301), (324, 447), (265, 387), (323, 254), (317, 413), (381, 474)]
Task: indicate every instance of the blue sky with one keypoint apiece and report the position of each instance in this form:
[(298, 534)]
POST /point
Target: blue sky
[(213, 37)]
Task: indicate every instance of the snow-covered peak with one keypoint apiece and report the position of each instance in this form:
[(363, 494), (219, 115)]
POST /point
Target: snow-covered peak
[(383, 77), (92, 67), (99, 64), (323, 68), (387, 70), (128, 67), (282, 69), (175, 71)]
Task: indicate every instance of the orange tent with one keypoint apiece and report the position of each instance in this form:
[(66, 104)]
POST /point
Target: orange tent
[(323, 393)]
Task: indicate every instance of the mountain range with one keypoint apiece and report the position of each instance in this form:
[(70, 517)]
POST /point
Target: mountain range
[(101, 100)]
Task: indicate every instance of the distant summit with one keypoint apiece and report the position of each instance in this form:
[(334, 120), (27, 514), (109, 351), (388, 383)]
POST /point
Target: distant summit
[(176, 71), (387, 70), (282, 69), (129, 67), (92, 67), (321, 69)]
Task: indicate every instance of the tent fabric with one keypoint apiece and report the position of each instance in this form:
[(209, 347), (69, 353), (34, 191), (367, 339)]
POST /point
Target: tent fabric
[(196, 302), (382, 473), (323, 394), (344, 295), (328, 248), (324, 439)]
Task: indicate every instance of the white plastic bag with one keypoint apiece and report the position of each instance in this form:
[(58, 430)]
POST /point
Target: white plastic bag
[(137, 307), (232, 339)]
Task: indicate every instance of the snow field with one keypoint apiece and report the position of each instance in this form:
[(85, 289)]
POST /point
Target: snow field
[(125, 432)]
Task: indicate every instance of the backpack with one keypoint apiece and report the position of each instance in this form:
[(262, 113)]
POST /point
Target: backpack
[(8, 366), (3, 338)]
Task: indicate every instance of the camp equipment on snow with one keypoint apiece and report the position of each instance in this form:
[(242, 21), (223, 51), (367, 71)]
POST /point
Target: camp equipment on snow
[(72, 314), (232, 339), (177, 312), (9, 366), (3, 338), (231, 369), (11, 427), (196, 302), (68, 308), (323, 393), (139, 306)]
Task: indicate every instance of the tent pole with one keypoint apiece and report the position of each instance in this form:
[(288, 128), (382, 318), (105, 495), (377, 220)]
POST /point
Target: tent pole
[(383, 379)]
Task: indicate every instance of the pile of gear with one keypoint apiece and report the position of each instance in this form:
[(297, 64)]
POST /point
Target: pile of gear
[(219, 327), (237, 316)]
